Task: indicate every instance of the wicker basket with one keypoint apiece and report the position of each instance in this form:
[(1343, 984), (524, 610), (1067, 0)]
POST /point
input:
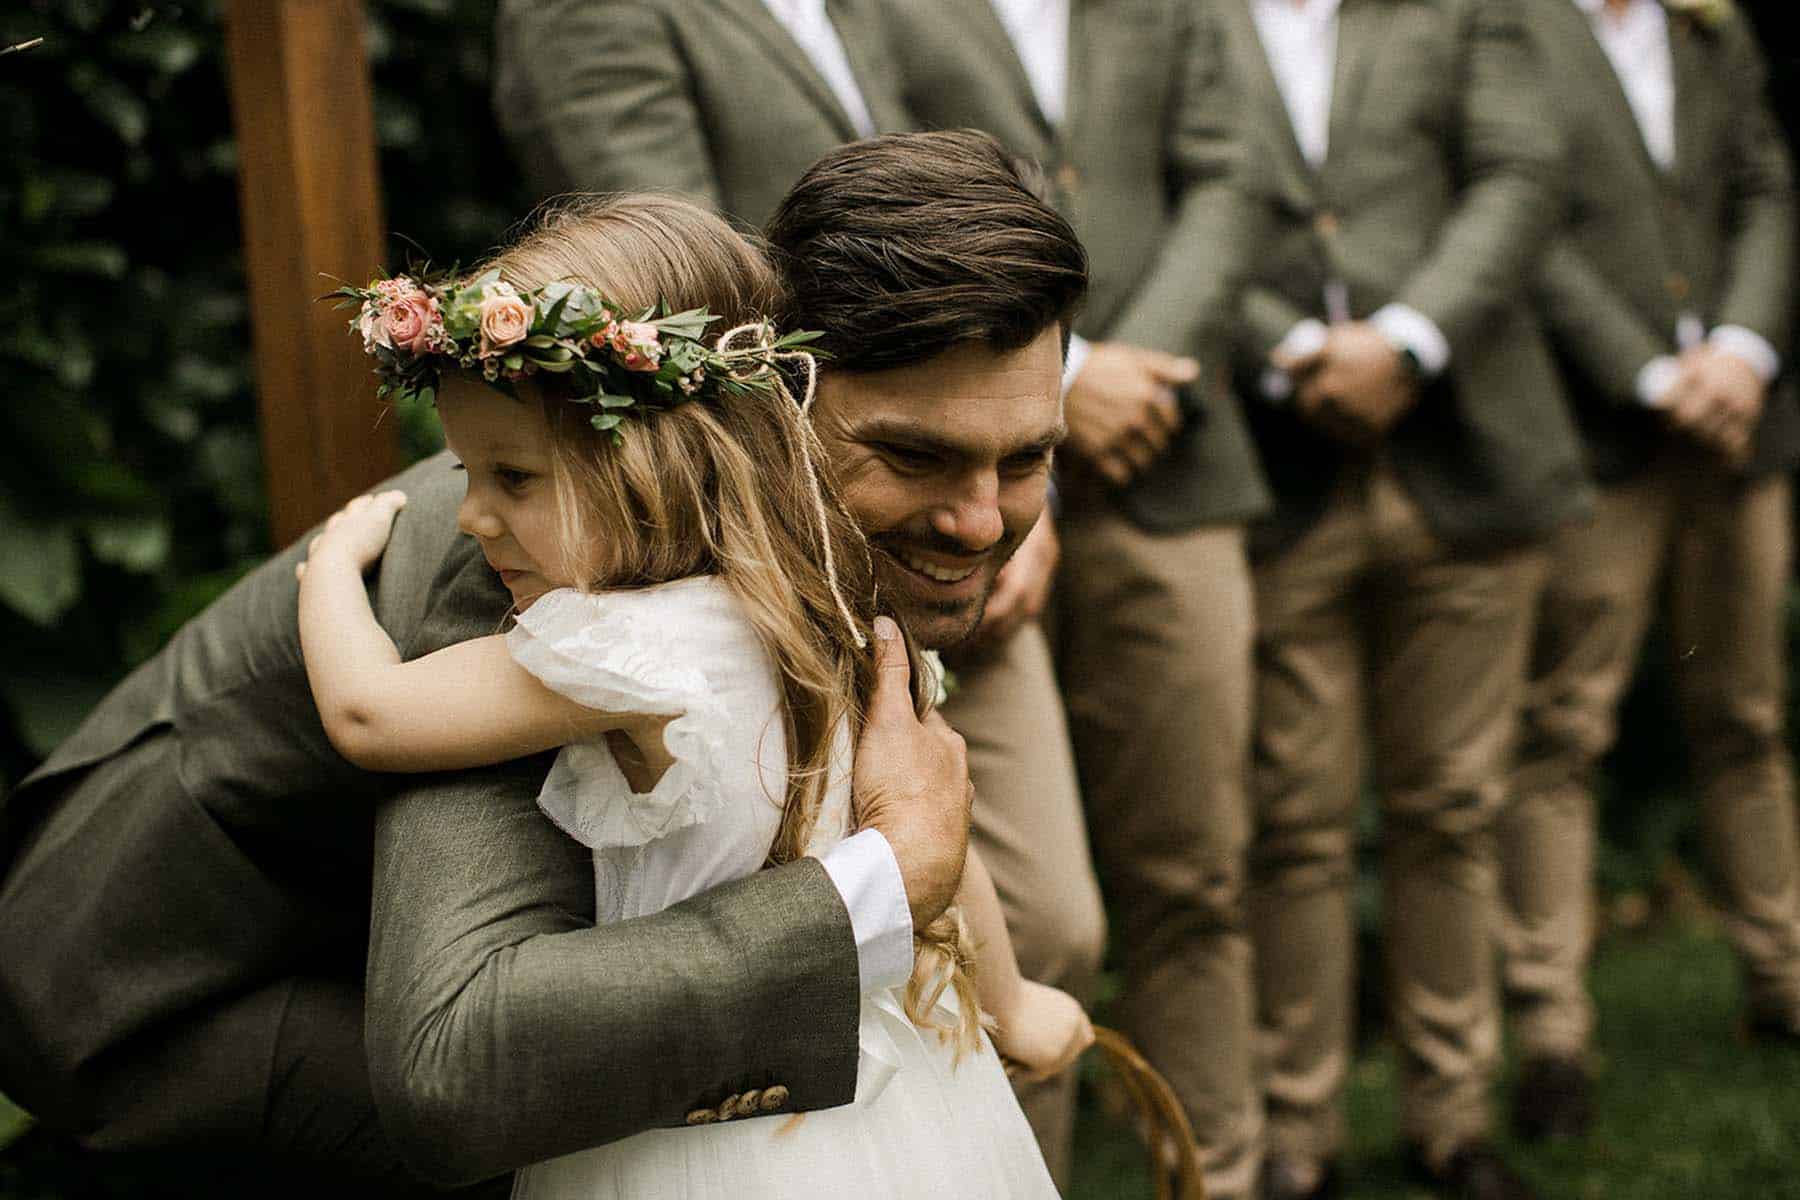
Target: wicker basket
[(1161, 1121)]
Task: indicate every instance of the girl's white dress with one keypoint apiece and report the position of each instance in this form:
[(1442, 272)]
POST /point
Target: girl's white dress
[(920, 1126)]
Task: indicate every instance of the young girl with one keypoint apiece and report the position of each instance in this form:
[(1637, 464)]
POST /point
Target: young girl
[(692, 615)]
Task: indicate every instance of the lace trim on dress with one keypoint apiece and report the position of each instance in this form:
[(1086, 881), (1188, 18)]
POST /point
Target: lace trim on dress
[(600, 650)]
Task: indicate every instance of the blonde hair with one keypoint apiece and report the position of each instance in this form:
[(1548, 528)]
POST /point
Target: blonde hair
[(721, 487)]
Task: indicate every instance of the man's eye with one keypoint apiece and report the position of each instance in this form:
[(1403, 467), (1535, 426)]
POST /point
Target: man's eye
[(1025, 464), (908, 458)]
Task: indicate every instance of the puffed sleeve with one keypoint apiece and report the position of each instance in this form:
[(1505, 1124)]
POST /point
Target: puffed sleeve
[(615, 653)]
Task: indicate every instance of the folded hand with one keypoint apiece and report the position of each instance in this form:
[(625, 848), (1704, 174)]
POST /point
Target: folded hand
[(1354, 387), (1122, 408)]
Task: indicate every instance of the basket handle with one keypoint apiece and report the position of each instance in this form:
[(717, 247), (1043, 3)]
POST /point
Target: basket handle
[(1164, 1122)]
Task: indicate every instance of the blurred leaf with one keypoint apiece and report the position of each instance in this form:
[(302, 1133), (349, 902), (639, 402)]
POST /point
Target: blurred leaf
[(50, 704), (83, 258), (163, 47), (14, 1121), (139, 544), (209, 379), (112, 102), (40, 566), (67, 194)]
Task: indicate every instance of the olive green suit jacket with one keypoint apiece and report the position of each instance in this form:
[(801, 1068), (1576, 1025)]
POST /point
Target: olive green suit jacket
[(1712, 236), (1143, 167), (503, 1027), (1437, 192), (709, 98)]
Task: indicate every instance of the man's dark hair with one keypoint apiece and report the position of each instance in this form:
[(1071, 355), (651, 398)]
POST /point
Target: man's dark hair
[(899, 247)]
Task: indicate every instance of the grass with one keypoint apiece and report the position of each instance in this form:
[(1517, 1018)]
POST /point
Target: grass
[(1686, 1110)]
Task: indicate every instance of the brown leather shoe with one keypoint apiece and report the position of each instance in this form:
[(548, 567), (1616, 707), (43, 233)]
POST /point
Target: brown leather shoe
[(1475, 1171), (1552, 1099), (1297, 1179)]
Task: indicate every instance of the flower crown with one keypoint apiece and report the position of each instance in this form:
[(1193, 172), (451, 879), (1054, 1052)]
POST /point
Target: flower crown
[(413, 327)]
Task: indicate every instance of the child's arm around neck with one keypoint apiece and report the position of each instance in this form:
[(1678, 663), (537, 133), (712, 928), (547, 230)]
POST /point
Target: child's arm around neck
[(468, 705)]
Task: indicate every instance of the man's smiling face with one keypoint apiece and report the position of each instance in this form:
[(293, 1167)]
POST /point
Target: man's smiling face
[(945, 464)]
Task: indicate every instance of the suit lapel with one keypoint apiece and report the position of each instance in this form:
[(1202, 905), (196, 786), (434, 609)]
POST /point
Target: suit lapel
[(1360, 25), (1691, 92), (1608, 89), (997, 47), (788, 55), (1259, 77), (861, 45)]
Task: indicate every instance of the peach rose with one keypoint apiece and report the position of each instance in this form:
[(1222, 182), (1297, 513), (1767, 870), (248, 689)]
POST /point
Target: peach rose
[(412, 324), (505, 319)]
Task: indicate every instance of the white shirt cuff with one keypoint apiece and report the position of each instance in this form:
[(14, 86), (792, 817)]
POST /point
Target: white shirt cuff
[(1074, 360), (1655, 378), (866, 875), (1306, 337), (1750, 346), (1417, 332)]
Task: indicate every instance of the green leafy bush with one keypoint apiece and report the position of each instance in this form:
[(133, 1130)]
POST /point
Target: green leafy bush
[(131, 486)]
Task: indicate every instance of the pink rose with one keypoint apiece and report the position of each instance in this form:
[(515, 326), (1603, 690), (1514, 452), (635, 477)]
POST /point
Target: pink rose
[(505, 319), (413, 323), (636, 345)]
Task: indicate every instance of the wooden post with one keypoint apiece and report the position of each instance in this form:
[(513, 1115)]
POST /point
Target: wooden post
[(311, 203)]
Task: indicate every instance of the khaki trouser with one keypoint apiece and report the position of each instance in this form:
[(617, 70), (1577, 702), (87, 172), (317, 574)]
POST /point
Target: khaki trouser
[(1725, 546), (1029, 829), (1154, 641), (1371, 626)]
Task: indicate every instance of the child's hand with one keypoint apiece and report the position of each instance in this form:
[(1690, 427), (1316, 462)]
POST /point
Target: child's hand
[(1044, 1031), (358, 532)]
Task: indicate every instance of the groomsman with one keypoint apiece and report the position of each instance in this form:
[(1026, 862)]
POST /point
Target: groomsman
[(1666, 297), (1409, 417), (728, 102), (724, 101), (1123, 104)]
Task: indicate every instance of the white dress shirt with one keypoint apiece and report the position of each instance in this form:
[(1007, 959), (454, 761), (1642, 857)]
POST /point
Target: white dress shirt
[(1299, 38), (863, 869), (1039, 30), (1636, 42), (811, 29)]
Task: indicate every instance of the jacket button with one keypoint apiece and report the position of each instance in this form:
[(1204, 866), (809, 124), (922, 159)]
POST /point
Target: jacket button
[(773, 1098), (1068, 177), (1326, 224), (728, 1109), (747, 1102), (1678, 286), (702, 1116)]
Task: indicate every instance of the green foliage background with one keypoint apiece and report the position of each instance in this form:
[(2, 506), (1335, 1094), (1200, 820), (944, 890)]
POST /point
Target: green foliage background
[(130, 476)]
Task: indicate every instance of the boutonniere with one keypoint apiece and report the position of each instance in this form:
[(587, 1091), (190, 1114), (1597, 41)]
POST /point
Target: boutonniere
[(1706, 14), (943, 679)]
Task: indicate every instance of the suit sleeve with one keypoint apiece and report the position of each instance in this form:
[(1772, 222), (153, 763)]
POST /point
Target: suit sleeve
[(1506, 148), (1592, 324), (1760, 248), (597, 96), (1186, 303), (1267, 317), (504, 1028)]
